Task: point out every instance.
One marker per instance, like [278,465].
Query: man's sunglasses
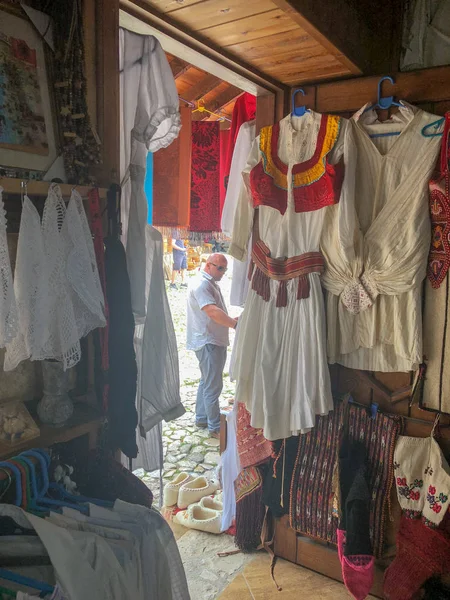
[221,269]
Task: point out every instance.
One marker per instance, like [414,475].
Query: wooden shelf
[85,421]
[11,185]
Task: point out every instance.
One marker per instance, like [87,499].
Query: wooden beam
[90,58]
[346,30]
[108,90]
[179,67]
[265,111]
[203,87]
[224,98]
[426,85]
[140,17]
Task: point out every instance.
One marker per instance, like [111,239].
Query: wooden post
[265,111]
[108,89]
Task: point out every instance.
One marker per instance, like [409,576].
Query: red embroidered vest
[316,183]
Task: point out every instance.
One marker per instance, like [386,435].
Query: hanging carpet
[172,178]
[205,189]
[224,142]
[312,489]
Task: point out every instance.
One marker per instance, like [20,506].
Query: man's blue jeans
[212,360]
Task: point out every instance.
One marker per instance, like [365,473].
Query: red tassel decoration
[303,287]
[282,294]
[261,284]
[266,287]
[256,284]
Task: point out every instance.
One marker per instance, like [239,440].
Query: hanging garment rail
[40,188]
[202,109]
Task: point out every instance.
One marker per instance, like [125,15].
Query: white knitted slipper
[211,503]
[172,489]
[203,519]
[193,491]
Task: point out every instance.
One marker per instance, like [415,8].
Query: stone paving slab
[207,573]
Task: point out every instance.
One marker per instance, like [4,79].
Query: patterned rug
[205,184]
[312,490]
[172,178]
[311,496]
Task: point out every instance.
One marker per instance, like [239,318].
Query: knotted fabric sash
[282,270]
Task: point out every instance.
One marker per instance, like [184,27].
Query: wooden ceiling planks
[179,67]
[193,85]
[260,33]
[217,12]
[222,100]
[257,26]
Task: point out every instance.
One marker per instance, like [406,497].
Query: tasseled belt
[263,268]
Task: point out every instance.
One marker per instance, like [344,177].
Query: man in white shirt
[207,334]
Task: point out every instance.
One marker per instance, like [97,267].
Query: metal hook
[23,190]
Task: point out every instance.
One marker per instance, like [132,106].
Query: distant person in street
[207,335]
[179,262]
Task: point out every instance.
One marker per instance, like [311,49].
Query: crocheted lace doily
[30,282]
[82,271]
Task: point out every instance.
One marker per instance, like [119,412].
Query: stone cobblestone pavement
[187,448]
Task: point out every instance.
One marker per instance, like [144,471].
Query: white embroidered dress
[279,358]
[57,285]
[243,146]
[376,243]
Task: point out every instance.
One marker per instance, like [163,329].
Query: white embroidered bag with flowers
[422,477]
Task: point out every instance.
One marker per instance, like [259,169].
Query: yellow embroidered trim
[313,173]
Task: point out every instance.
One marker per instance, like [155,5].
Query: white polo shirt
[202,330]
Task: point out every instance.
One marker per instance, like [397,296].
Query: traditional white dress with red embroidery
[293,177]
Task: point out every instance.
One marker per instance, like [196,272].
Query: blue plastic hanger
[27,581]
[384,103]
[71,497]
[32,471]
[34,488]
[79,498]
[436,125]
[18,480]
[42,501]
[373,407]
[298,111]
[45,455]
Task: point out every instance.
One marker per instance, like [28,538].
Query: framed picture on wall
[28,137]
